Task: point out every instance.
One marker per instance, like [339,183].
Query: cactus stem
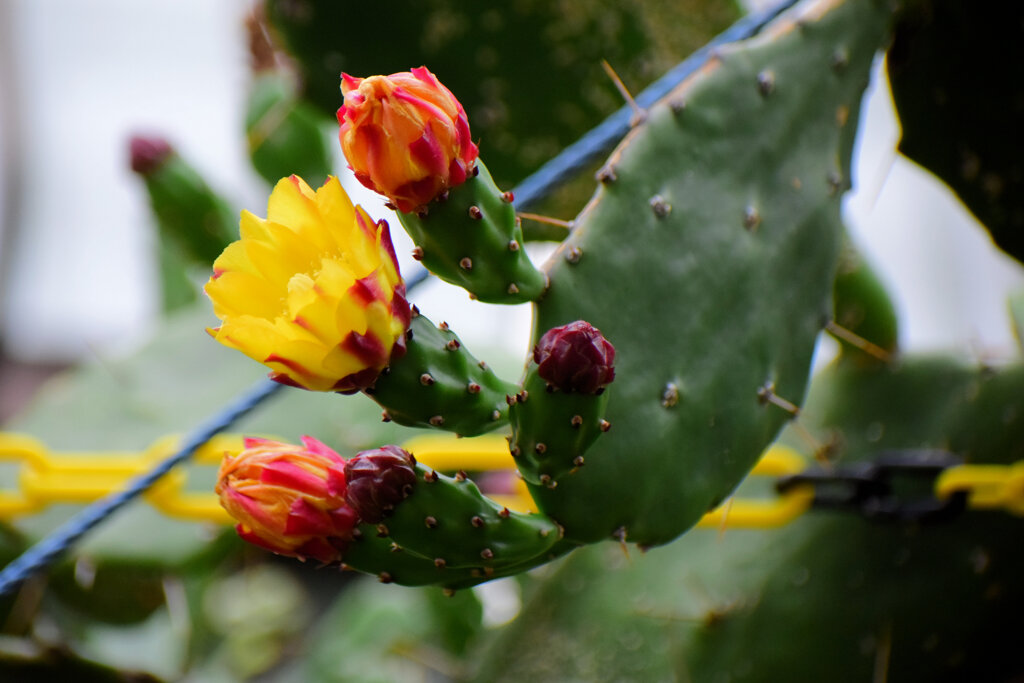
[573,255]
[487,554]
[384,577]
[477,521]
[670,396]
[576,421]
[417,253]
[766,83]
[639,114]
[547,220]
[605,425]
[541,448]
[473,388]
[430,522]
[382,531]
[440,562]
[436,420]
[751,218]
[475,213]
[453,345]
[466,263]
[461,476]
[659,206]
[854,339]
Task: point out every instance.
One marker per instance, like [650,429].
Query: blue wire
[535,187]
[46,551]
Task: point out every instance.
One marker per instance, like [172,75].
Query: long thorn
[639,115]
[548,220]
[855,340]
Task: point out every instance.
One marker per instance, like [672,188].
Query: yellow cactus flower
[405,136]
[313,291]
[289,499]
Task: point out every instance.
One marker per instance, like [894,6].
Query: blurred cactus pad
[674,327]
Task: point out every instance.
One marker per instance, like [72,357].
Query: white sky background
[82,278]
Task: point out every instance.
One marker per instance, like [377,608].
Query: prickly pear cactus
[679,314]
[706,258]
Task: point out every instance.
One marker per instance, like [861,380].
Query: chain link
[45,478]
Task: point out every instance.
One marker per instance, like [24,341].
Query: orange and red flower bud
[378,480]
[575,357]
[405,136]
[313,291]
[289,499]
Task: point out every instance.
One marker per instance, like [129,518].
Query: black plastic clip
[897,486]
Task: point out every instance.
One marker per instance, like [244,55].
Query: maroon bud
[575,357]
[148,153]
[377,480]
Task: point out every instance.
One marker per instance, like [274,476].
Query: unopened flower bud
[405,136]
[575,357]
[289,499]
[378,480]
[148,153]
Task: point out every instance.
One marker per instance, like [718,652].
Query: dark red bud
[575,357]
[148,153]
[378,480]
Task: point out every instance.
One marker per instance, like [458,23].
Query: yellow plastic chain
[45,478]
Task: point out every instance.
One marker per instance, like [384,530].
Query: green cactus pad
[447,533]
[438,384]
[473,239]
[551,430]
[448,519]
[708,255]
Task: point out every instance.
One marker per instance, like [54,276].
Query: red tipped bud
[148,153]
[575,357]
[405,136]
[289,499]
[378,480]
